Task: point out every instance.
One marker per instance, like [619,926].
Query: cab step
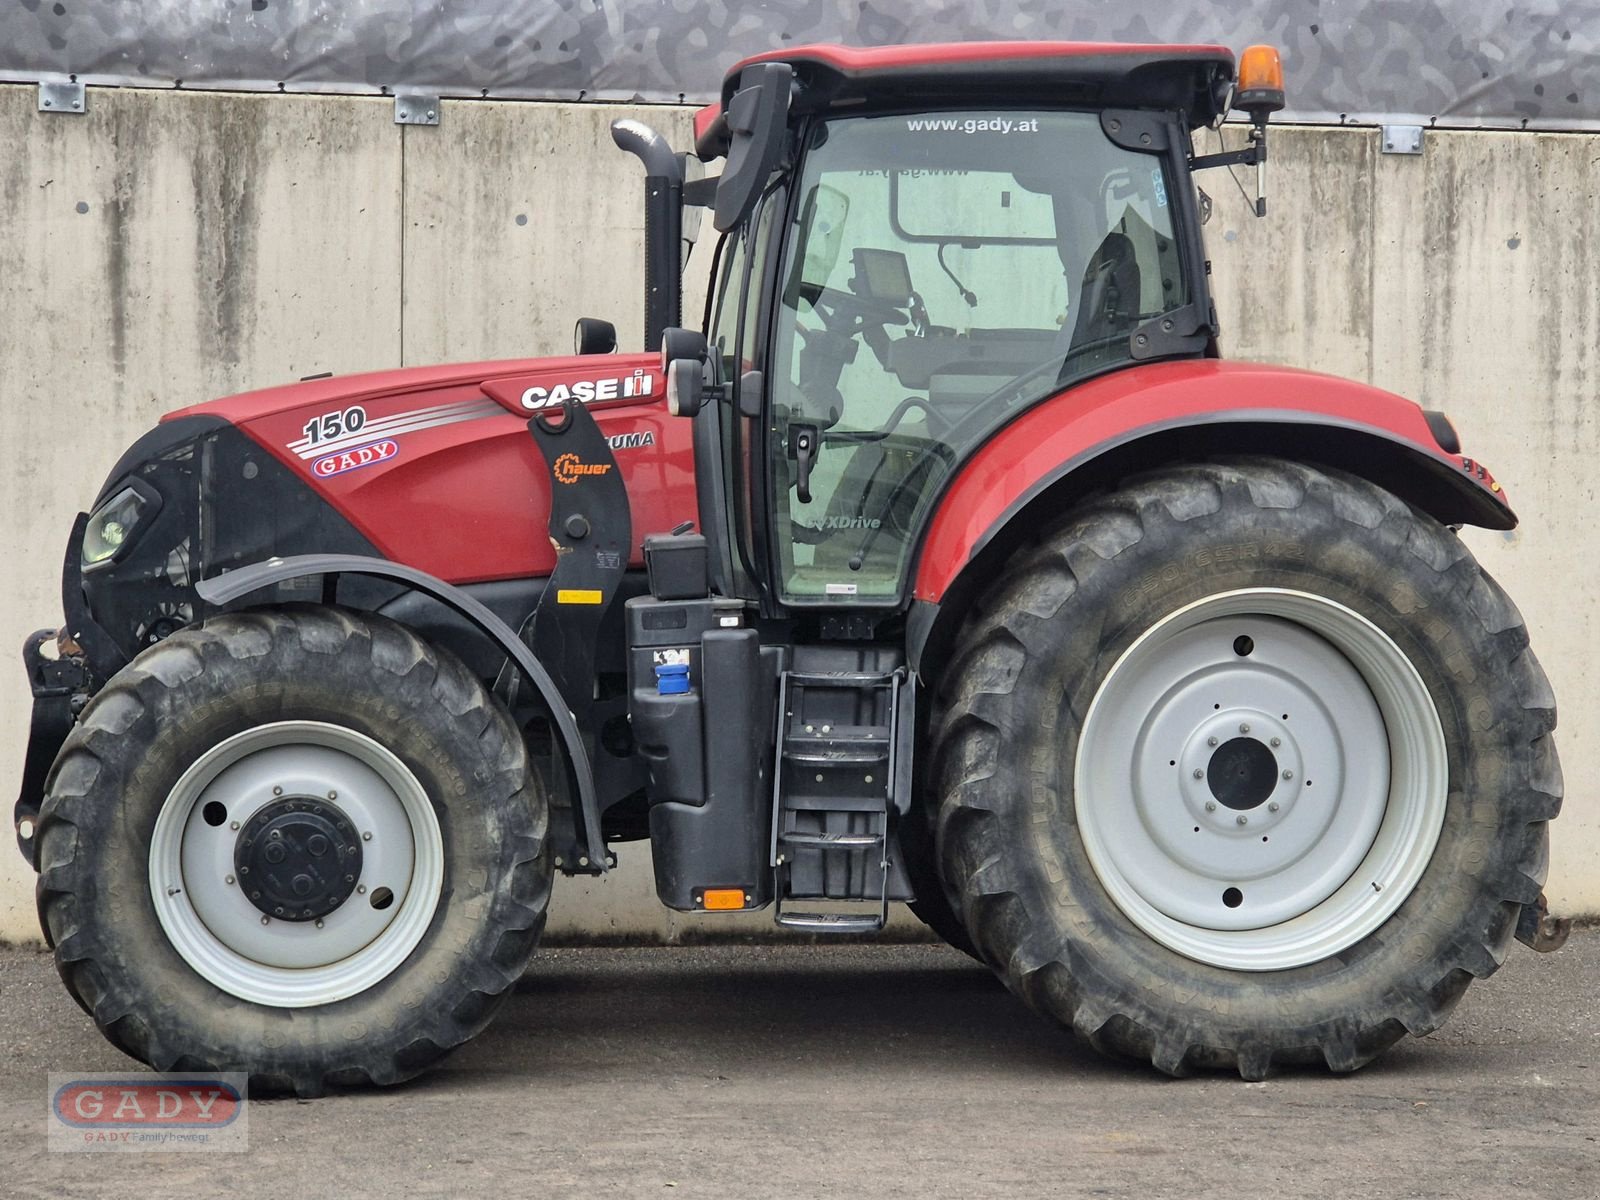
[843,760]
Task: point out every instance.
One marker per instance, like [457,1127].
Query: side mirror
[594,336]
[683,361]
[757,115]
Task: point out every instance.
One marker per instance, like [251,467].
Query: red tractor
[948,564]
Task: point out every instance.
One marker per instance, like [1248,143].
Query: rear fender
[1091,436]
[224,589]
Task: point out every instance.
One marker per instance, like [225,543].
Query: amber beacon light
[1260,82]
[1260,94]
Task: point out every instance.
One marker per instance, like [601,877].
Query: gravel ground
[734,1072]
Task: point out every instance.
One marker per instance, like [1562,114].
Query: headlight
[112,527]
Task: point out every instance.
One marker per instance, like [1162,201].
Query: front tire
[300,843]
[1247,764]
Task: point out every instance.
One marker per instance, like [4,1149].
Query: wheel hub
[298,858]
[1243,773]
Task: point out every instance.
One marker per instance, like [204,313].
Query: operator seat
[1110,293]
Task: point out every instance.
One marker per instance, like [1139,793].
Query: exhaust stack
[663,226]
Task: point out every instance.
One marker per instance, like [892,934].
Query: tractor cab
[917,247]
[917,244]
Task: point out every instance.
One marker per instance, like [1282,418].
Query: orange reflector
[578,596]
[723,899]
[1260,79]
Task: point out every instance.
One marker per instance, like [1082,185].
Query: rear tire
[312,727]
[1140,907]
[932,906]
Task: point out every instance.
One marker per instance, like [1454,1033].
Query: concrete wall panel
[520,218]
[1463,278]
[168,247]
[161,249]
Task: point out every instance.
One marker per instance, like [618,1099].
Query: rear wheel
[300,843]
[1247,764]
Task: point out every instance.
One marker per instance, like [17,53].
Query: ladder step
[837,757]
[841,679]
[831,841]
[831,922]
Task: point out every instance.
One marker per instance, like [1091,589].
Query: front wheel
[1247,764]
[298,843]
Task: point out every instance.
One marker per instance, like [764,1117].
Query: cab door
[729,444]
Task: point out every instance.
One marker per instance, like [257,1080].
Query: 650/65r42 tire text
[1246,764]
[300,843]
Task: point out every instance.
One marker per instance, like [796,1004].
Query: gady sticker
[356,458]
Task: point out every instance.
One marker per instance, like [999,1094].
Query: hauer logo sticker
[355,458]
[637,440]
[570,468]
[590,391]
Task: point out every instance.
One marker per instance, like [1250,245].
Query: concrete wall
[171,246]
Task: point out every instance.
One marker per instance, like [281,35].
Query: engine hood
[521,385]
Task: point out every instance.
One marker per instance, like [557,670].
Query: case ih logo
[113,1105]
[570,468]
[353,460]
[590,391]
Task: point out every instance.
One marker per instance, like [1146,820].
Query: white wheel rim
[1222,857]
[212,923]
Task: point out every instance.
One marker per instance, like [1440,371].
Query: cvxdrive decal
[337,431]
[570,468]
[590,391]
[355,459]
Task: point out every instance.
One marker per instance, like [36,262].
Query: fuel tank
[435,466]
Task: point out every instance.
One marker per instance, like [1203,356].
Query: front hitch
[60,686]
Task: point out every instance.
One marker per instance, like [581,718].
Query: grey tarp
[1460,62]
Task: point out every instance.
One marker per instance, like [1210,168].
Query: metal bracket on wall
[57,96]
[415,108]
[1402,139]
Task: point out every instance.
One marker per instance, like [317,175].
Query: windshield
[943,271]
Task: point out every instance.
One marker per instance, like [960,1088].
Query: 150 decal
[335,424]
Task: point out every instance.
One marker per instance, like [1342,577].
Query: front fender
[224,589]
[1090,435]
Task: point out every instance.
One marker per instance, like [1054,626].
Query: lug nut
[233,824]
[1288,774]
[1274,806]
[366,837]
[1275,743]
[1242,819]
[266,920]
[229,881]
[1243,728]
[1211,806]
[319,922]
[1211,741]
[361,889]
[1199,774]
[277,791]
[333,795]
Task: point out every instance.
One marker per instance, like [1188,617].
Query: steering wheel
[840,308]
